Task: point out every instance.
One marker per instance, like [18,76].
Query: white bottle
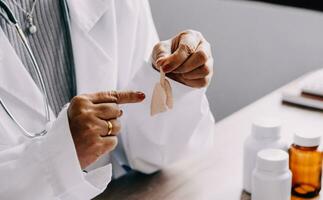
[265,134]
[272,179]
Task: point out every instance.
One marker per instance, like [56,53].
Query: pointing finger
[116,97]
[101,97]
[124,97]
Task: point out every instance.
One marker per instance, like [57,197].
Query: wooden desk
[217,175]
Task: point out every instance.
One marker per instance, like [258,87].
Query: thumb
[161,51]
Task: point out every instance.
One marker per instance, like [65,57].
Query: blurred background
[258,46]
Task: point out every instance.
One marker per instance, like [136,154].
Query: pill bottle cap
[266,128]
[272,160]
[307,140]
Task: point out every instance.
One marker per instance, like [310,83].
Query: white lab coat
[112,41]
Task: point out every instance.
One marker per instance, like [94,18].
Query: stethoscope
[11,19]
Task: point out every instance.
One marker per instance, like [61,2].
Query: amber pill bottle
[305,162]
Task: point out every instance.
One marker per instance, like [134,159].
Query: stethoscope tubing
[10,17]
[12,20]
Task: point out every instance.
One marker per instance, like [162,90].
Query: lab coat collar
[94,45]
[87,13]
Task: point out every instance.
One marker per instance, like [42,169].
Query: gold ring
[110,127]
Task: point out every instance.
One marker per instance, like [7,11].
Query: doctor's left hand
[186,58]
[89,116]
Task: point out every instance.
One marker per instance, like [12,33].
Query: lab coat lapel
[15,79]
[94,44]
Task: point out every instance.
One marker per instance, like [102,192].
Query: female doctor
[106,129]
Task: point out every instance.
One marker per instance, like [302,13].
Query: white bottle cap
[272,160]
[306,140]
[266,128]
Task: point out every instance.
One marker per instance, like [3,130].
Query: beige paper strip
[162,98]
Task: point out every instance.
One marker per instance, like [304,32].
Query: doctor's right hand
[89,117]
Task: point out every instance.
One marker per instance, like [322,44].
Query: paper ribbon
[162,99]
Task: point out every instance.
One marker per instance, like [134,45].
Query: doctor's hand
[89,117]
[186,58]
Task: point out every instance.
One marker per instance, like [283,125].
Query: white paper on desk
[295,97]
[293,94]
[314,85]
